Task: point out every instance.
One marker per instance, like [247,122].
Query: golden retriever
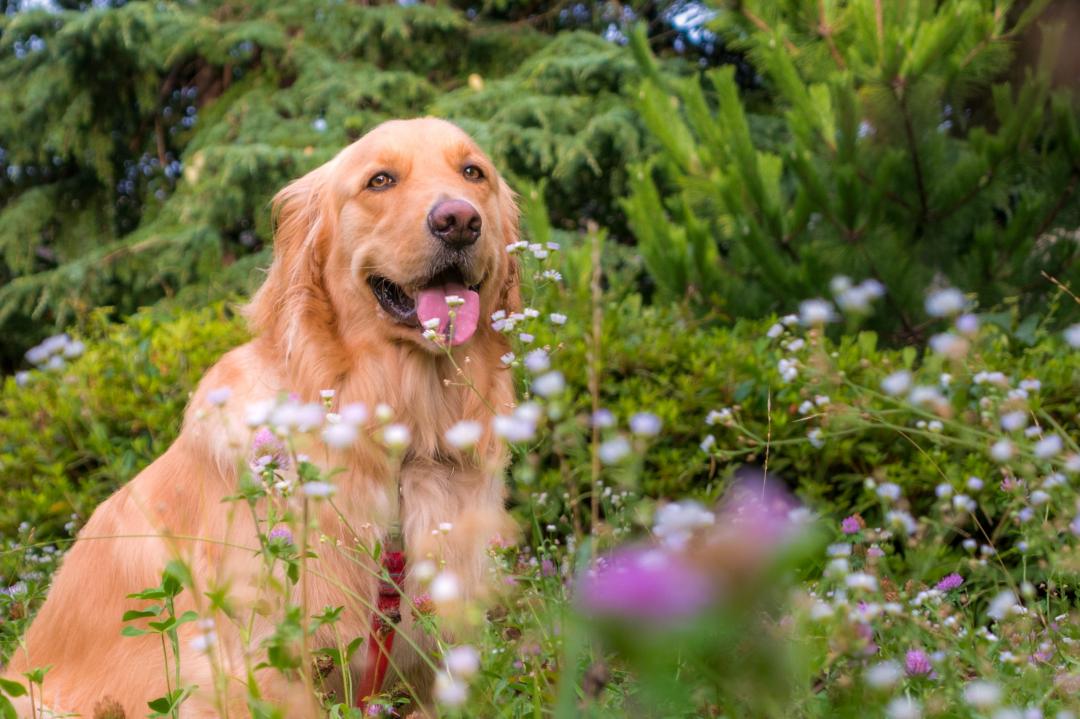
[366,248]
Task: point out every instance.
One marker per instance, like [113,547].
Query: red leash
[381,637]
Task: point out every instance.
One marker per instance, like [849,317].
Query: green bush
[891,150]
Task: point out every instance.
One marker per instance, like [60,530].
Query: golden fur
[316,325]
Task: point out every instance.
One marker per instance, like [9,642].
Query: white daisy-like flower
[340,435]
[445,587]
[550,384]
[318,490]
[464,434]
[396,436]
[946,302]
[463,661]
[896,383]
[219,396]
[816,312]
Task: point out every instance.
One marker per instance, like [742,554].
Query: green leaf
[12,688]
[141,613]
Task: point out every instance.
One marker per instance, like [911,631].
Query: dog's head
[404,229]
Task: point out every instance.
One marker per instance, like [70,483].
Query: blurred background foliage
[750,151]
[736,158]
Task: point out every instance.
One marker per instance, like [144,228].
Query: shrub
[890,153]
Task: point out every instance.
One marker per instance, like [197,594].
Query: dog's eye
[474,173]
[381,181]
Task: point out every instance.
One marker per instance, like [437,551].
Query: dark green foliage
[868,162]
[140,145]
[562,115]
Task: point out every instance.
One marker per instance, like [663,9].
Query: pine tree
[891,147]
[140,144]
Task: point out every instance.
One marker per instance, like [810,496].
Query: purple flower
[548,568]
[950,582]
[917,663]
[851,525]
[266,448]
[644,584]
[761,512]
[281,534]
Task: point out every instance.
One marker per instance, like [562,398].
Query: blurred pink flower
[949,582]
[851,525]
[917,663]
[266,448]
[761,510]
[647,584]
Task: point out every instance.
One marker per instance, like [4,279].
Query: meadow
[797,370]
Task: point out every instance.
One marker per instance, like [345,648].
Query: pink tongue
[431,303]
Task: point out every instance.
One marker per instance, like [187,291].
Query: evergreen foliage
[140,145]
[870,163]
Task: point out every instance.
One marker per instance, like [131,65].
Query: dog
[367,249]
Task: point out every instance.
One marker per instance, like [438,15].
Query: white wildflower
[396,436]
[645,424]
[613,450]
[340,436]
[884,675]
[896,383]
[676,521]
[816,312]
[463,661]
[445,587]
[1002,451]
[982,694]
[550,384]
[218,396]
[946,302]
[1048,446]
[318,490]
[464,434]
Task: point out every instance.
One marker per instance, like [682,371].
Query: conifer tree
[892,148]
[140,144]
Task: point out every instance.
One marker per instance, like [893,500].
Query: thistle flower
[949,582]
[644,585]
[917,663]
[852,525]
[266,448]
[281,534]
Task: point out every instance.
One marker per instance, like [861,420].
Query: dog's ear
[304,220]
[510,292]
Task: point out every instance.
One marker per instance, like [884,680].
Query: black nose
[455,222]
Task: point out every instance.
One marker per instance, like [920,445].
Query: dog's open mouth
[444,303]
